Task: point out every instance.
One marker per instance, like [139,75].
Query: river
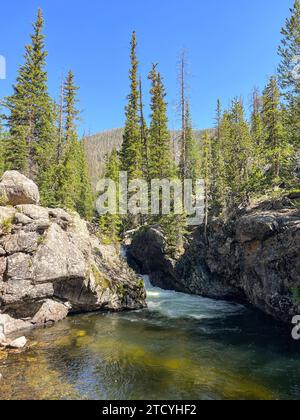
[181,347]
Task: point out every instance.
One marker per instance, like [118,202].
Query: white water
[180,305]
[173,304]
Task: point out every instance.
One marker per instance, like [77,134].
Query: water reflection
[182,347]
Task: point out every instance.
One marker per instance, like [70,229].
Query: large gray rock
[58,258]
[16,189]
[51,312]
[33,212]
[148,249]
[14,292]
[19,267]
[21,242]
[10,324]
[51,265]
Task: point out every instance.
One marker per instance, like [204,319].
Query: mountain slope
[99,145]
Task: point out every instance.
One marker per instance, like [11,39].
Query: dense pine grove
[41,138]
[242,160]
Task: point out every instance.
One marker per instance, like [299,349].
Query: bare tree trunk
[183,114]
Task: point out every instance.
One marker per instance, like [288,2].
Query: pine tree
[69,108]
[183,111]
[74,189]
[256,119]
[192,157]
[144,135]
[161,165]
[131,153]
[60,124]
[289,51]
[110,224]
[189,153]
[85,205]
[257,178]
[160,159]
[275,145]
[2,150]
[237,152]
[206,169]
[31,116]
[217,167]
[65,172]
[289,79]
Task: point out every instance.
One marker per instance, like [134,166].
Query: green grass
[7,225]
[295,290]
[121,290]
[3,199]
[99,279]
[41,239]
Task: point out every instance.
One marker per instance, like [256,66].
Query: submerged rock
[51,265]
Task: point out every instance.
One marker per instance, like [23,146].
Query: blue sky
[232,47]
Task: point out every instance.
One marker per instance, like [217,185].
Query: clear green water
[182,347]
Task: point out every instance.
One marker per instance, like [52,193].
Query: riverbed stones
[18,343]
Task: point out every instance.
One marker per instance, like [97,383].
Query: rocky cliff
[253,257]
[52,265]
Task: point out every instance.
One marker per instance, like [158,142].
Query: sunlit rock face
[16,189]
[51,265]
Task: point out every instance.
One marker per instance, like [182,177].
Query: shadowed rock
[252,257]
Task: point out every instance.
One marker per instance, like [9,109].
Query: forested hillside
[98,146]
[250,155]
[38,135]
[241,159]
